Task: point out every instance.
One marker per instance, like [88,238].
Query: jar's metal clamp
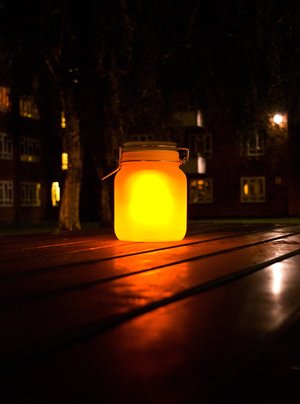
[183,160]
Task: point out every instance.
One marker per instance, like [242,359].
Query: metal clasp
[117,169]
[187,154]
[183,160]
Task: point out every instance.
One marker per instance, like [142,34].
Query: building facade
[228,175]
[245,175]
[23,192]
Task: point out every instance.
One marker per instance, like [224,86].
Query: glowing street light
[278,119]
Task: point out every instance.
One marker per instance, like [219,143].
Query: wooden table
[86,318]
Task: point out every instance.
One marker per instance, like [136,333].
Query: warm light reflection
[277,278]
[144,288]
[246,189]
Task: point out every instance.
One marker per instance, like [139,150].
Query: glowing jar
[150,193]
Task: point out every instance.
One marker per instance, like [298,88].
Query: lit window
[6,147]
[63,120]
[4,99]
[28,108]
[200,143]
[199,118]
[201,165]
[55,193]
[253,189]
[6,193]
[64,161]
[30,150]
[255,145]
[201,190]
[31,194]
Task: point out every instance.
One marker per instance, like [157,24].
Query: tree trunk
[69,208]
[106,194]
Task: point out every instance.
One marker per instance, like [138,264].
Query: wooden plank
[100,250]
[51,279]
[57,250]
[182,352]
[52,318]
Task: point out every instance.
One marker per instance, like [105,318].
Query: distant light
[278,119]
[63,120]
[55,193]
[199,118]
[201,165]
[64,161]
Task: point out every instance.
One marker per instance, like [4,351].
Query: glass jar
[150,199]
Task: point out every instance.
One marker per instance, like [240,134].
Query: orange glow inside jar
[150,193]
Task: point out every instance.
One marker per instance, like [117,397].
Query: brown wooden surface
[87,318]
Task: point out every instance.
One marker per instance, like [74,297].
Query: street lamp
[279,120]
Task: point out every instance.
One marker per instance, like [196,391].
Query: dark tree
[116,67]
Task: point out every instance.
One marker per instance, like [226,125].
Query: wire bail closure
[148,146]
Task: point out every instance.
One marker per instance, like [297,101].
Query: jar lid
[149,145]
[158,150]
